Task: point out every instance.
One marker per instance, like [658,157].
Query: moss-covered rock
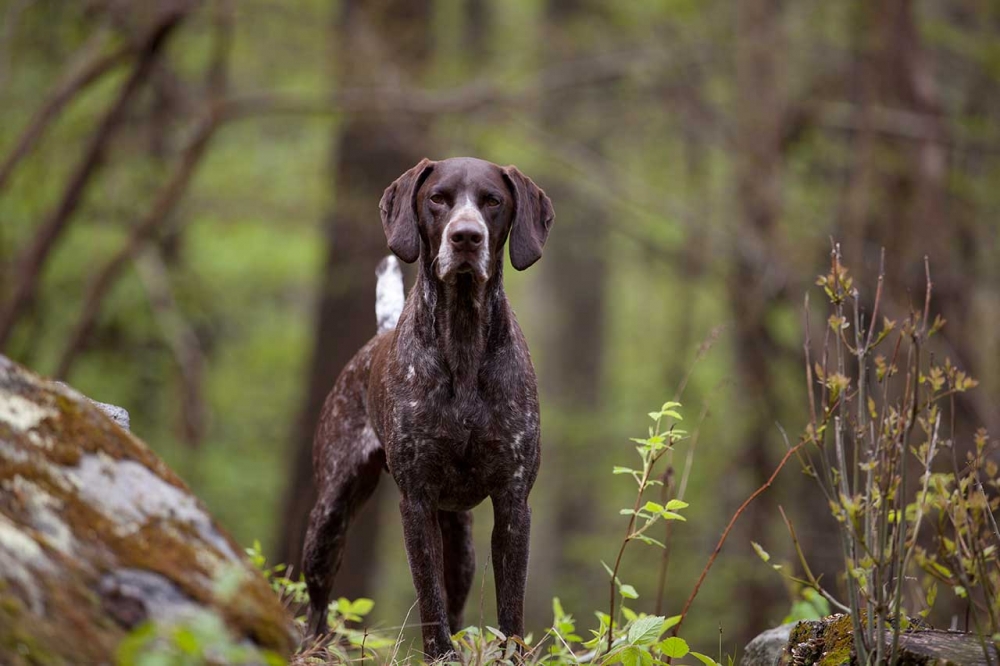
[830,642]
[97,535]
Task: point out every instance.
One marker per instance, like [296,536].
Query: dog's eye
[437,198]
[492,202]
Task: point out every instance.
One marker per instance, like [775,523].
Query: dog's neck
[461,319]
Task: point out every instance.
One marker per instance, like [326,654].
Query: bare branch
[165,202]
[182,341]
[30,263]
[729,527]
[77,78]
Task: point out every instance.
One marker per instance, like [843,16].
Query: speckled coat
[446,402]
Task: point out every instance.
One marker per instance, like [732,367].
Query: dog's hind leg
[459,562]
[355,468]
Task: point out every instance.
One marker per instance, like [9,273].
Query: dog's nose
[466,235]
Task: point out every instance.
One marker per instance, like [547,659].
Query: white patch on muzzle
[448,261]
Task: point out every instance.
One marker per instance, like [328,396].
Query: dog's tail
[389,296]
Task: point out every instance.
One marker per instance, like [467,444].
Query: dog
[444,397]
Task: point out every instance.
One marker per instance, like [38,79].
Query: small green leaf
[631,656]
[673,647]
[185,639]
[362,606]
[704,658]
[645,630]
[608,569]
[628,592]
[650,540]
[618,469]
[670,622]
[670,515]
[761,553]
[496,632]
[653,506]
[676,504]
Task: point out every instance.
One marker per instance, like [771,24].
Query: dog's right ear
[399,212]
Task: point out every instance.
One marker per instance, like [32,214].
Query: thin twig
[78,78]
[729,527]
[32,260]
[165,202]
[183,342]
[810,577]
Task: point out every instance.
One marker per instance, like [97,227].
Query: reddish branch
[28,266]
[725,533]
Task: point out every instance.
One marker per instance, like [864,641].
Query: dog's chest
[462,445]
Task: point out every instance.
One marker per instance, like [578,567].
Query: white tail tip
[389,296]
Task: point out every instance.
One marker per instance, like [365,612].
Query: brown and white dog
[446,401]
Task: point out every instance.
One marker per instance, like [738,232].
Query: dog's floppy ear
[533,217]
[399,212]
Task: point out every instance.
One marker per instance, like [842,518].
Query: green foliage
[632,638]
[810,606]
[868,428]
[201,639]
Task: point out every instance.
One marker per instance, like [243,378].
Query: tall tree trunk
[761,101]
[573,273]
[367,154]
[912,218]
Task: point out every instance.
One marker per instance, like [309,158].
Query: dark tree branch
[78,78]
[28,267]
[165,202]
[183,342]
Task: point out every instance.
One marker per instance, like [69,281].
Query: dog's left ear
[533,216]
[399,212]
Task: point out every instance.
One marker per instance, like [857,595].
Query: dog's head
[459,212]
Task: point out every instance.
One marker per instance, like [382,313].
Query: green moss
[839,642]
[75,628]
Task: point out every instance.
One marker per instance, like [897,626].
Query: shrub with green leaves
[880,410]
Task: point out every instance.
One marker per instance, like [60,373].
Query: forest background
[189,229]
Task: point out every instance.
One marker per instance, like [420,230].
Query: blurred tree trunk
[909,201]
[573,274]
[367,154]
[752,285]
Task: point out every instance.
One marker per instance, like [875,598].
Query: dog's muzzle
[464,245]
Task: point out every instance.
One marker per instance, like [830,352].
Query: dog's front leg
[422,535]
[511,528]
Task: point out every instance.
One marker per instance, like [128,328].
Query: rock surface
[828,642]
[767,648]
[118,414]
[98,535]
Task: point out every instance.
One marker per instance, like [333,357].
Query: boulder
[829,642]
[97,536]
[768,647]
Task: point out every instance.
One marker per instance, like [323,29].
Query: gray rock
[118,414]
[830,641]
[766,649]
[97,535]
